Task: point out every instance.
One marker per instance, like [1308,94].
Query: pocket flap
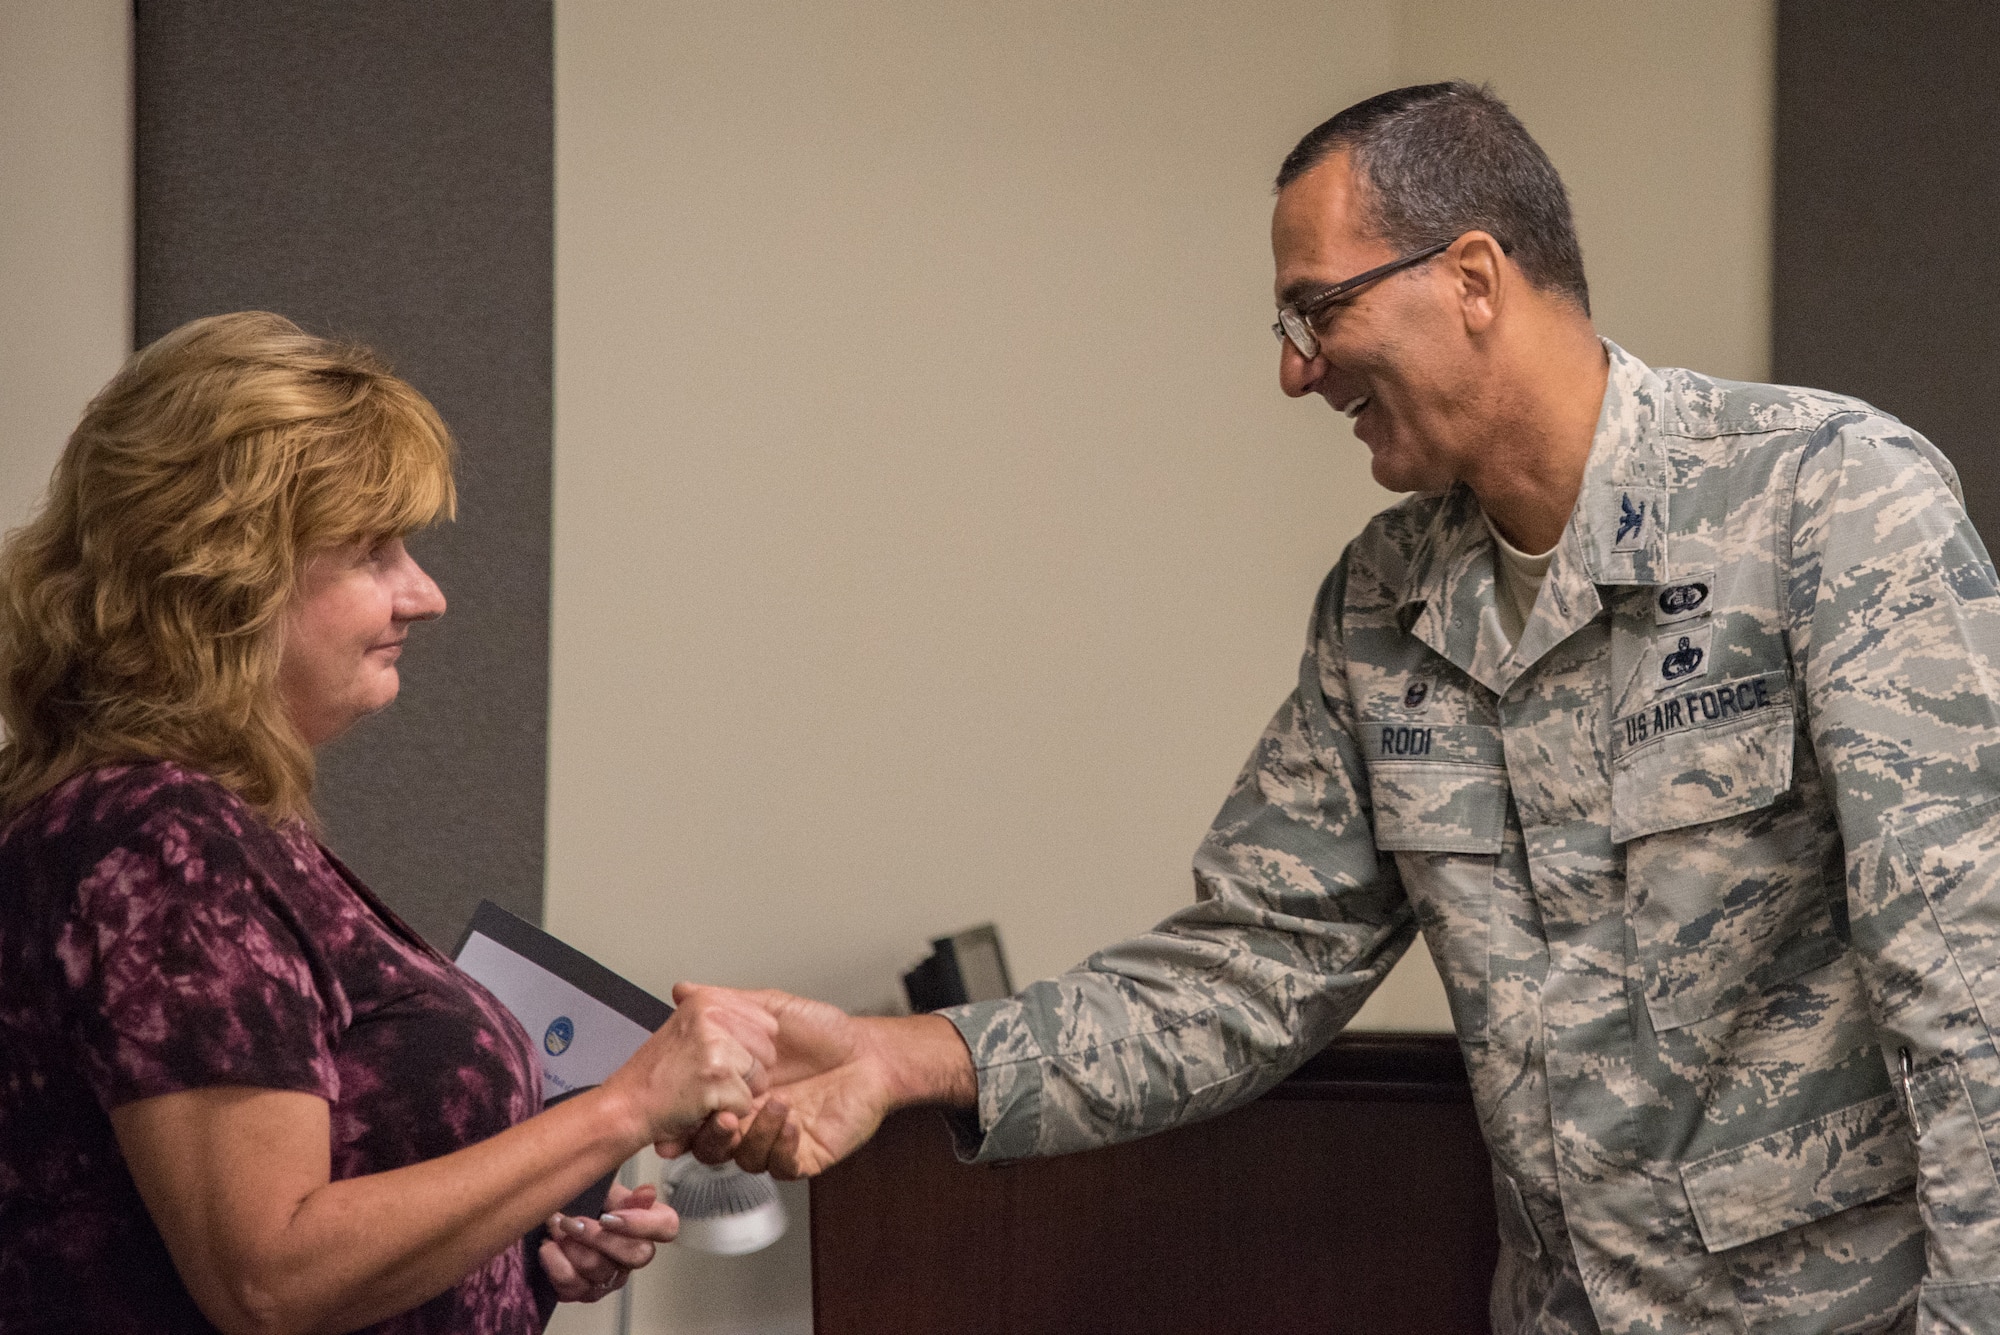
[1438,788]
[1701,774]
[1860,1153]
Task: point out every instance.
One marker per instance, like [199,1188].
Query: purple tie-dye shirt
[157,935]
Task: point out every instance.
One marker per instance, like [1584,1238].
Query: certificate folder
[583,1019]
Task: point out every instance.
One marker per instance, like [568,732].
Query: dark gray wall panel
[1886,274]
[383,169]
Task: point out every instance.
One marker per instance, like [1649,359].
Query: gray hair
[1442,159]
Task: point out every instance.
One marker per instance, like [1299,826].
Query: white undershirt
[1518,582]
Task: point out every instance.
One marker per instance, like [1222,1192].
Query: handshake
[785,1085]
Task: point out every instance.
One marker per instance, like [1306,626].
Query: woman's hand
[588,1258]
[239,1179]
[709,1059]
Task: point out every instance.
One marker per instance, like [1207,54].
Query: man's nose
[1297,375]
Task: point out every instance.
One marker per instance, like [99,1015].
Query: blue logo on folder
[557,1040]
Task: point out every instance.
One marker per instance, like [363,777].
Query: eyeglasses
[1295,320]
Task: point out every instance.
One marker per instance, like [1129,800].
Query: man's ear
[1479,268]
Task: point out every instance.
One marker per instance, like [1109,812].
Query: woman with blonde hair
[236,1091]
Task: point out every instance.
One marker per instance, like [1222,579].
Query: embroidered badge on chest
[1419,691]
[1683,657]
[1683,601]
[1633,516]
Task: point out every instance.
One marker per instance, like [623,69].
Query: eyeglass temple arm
[1341,289]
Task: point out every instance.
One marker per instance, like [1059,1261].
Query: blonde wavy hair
[142,608]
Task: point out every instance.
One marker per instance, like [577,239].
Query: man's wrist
[924,1061]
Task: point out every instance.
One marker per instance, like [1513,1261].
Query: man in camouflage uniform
[1704,844]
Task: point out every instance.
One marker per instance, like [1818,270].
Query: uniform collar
[1620,520]
[1616,535]
[1448,602]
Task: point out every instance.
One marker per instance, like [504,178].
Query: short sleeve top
[158,935]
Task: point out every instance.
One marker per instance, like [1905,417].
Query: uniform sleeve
[1297,919]
[1895,618]
[184,969]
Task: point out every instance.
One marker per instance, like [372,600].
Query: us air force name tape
[1699,707]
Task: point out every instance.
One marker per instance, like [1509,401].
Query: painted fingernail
[610,1219]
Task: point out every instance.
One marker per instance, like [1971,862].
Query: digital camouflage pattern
[1699,859]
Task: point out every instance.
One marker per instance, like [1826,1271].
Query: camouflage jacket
[1701,858]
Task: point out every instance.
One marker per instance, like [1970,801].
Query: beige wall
[65,226]
[931,540]
[926,515]
[1658,115]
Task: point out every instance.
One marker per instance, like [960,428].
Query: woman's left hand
[588,1258]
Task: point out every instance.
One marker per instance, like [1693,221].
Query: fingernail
[608,1218]
[555,1223]
[576,1226]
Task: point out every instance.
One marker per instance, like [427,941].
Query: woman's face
[345,631]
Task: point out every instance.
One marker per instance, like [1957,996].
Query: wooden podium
[1354,1197]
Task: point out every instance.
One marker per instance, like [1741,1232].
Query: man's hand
[711,1056]
[835,1078]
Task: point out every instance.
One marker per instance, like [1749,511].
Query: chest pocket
[1440,798]
[1730,877]
[1701,755]
[1437,788]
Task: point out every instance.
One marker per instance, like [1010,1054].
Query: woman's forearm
[414,1232]
[236,1180]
